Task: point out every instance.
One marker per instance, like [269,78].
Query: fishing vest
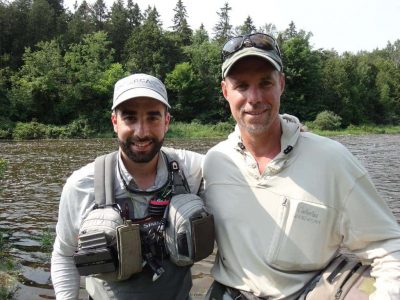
[116,249]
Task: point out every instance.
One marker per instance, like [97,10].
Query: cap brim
[136,93]
[267,55]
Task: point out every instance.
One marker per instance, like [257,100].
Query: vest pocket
[304,237]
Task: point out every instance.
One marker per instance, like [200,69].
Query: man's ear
[114,120]
[282,82]
[224,89]
[167,120]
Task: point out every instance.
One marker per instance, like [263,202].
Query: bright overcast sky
[344,25]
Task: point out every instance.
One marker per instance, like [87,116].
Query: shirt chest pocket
[305,236]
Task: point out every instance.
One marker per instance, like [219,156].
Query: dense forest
[58,67]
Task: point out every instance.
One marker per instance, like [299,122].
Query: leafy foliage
[58,68]
[327,120]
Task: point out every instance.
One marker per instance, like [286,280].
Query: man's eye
[241,86]
[266,83]
[129,118]
[154,118]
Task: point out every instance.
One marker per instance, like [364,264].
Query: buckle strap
[235,294]
[218,289]
[243,295]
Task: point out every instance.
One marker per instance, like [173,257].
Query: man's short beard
[256,128]
[140,157]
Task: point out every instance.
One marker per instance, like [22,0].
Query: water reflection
[37,170]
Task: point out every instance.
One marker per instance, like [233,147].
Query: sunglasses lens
[232,46]
[262,41]
[257,40]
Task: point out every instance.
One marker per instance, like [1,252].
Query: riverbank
[81,130]
[359,130]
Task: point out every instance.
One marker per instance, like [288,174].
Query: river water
[37,170]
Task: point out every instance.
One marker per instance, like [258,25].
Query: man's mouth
[141,145]
[255,113]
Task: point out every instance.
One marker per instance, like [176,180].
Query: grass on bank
[358,130]
[80,129]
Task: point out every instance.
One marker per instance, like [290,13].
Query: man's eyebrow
[128,112]
[154,113]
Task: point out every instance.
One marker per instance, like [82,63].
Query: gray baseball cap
[270,55]
[139,85]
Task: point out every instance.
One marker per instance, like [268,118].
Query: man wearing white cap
[285,201]
[141,175]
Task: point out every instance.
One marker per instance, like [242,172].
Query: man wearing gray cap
[142,188]
[285,201]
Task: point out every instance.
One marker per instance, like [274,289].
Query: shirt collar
[290,133]
[161,176]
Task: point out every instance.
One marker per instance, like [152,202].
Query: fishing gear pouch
[189,236]
[108,247]
[343,279]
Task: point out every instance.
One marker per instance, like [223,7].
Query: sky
[342,25]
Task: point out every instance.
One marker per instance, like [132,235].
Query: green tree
[180,25]
[149,49]
[247,27]
[367,95]
[194,87]
[42,23]
[37,86]
[152,16]
[5,114]
[14,21]
[387,62]
[100,14]
[223,29]
[200,35]
[57,6]
[80,24]
[91,76]
[302,69]
[269,28]
[332,80]
[134,15]
[119,28]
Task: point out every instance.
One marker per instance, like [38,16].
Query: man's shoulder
[322,143]
[328,150]
[182,155]
[223,146]
[82,177]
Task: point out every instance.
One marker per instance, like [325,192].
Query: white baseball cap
[139,85]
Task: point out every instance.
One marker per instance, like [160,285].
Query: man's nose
[141,128]
[253,95]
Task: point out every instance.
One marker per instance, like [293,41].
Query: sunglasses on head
[257,40]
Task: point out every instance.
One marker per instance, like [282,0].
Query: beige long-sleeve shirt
[275,230]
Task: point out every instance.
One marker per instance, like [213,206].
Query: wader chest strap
[104,178]
[104,174]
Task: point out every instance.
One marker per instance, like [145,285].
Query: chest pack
[113,246]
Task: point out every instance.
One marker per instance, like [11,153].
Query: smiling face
[253,89]
[140,125]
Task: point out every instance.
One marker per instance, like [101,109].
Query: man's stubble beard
[139,157]
[257,128]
